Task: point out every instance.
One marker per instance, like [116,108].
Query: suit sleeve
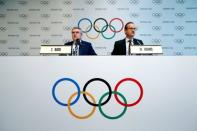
[91,50]
[114,52]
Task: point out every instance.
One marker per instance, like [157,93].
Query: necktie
[76,50]
[129,47]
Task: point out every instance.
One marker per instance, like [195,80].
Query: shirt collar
[79,43]
[126,39]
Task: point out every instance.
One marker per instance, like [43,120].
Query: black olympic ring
[97,79]
[102,30]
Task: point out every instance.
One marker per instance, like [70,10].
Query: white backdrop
[27,24]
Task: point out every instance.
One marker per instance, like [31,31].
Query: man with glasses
[122,47]
[80,47]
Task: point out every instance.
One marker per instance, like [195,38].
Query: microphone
[139,42]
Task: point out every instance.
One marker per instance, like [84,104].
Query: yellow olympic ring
[92,37]
[77,116]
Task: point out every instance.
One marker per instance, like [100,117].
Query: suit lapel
[124,47]
[135,41]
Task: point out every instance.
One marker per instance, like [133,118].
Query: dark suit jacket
[85,48]
[120,46]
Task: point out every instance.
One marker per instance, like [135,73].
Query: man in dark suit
[80,47]
[122,47]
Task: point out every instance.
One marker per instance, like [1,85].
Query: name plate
[146,49]
[55,49]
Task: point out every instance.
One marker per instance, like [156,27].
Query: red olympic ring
[140,87]
[116,31]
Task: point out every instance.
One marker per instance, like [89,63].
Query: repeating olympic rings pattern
[101,30]
[93,103]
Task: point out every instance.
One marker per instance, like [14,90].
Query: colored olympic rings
[112,117]
[113,30]
[93,101]
[92,37]
[112,35]
[139,85]
[65,79]
[97,79]
[87,30]
[77,116]
[101,28]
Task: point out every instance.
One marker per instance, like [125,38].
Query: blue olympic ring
[72,81]
[88,21]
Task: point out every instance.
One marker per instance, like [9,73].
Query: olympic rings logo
[100,103]
[101,30]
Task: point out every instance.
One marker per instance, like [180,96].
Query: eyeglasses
[77,32]
[132,28]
